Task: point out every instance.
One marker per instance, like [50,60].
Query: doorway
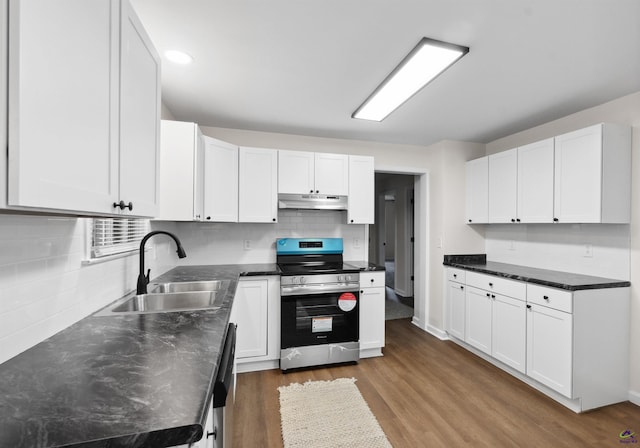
[392,241]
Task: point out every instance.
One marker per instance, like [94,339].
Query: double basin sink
[171,297]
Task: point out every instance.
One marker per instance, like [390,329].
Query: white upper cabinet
[221,181]
[139,116]
[361,207]
[258,185]
[83,108]
[593,175]
[296,172]
[503,183]
[331,174]
[307,172]
[535,182]
[181,172]
[477,191]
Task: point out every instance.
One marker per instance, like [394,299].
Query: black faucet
[143,280]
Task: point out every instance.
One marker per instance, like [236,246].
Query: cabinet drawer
[456,275]
[557,299]
[506,287]
[371,279]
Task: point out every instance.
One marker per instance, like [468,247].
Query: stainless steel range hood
[312,201]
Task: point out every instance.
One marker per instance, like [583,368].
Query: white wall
[564,243]
[44,285]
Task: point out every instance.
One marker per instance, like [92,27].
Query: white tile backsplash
[223,243]
[44,287]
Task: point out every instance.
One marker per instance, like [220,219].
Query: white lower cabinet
[571,345]
[456,309]
[478,319]
[549,347]
[256,311]
[509,331]
[371,313]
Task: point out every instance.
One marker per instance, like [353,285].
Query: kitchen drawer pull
[491,285]
[455,275]
[461,287]
[122,205]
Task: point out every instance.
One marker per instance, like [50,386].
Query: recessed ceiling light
[423,64]
[178,57]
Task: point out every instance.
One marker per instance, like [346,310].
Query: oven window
[318,319]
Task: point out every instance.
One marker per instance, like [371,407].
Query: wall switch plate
[588,251]
[356,243]
[439,242]
[512,245]
[247,244]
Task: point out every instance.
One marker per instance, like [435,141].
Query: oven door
[319,318]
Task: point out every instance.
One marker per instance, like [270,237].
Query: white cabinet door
[549,348]
[221,181]
[296,172]
[578,175]
[63,111]
[4,24]
[258,187]
[503,183]
[180,170]
[139,117]
[361,208]
[198,169]
[478,319]
[535,182]
[456,309]
[331,174]
[371,318]
[250,312]
[477,191]
[508,334]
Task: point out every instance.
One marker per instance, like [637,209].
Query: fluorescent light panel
[423,64]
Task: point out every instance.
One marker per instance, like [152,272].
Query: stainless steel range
[319,303]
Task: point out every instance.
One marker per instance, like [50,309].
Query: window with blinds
[111,236]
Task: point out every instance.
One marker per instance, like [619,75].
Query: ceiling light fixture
[421,66]
[178,57]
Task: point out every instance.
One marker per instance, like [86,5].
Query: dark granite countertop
[554,279]
[121,381]
[365,265]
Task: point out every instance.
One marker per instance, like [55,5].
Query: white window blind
[111,236]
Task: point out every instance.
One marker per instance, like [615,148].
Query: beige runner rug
[323,414]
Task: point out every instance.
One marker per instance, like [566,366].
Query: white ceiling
[304,66]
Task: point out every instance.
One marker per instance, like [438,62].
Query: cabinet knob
[493,296]
[528,307]
[371,280]
[208,218]
[469,220]
[461,287]
[545,297]
[122,205]
[455,275]
[317,191]
[491,285]
[555,220]
[310,191]
[517,219]
[214,433]
[513,220]
[488,295]
[273,219]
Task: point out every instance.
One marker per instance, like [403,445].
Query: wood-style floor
[429,393]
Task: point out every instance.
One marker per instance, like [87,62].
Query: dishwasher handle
[224,378]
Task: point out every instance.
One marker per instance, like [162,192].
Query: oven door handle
[303,290]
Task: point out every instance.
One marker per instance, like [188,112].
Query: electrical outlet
[588,251]
[439,242]
[512,245]
[247,245]
[356,243]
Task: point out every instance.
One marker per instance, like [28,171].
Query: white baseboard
[243,367]
[634,397]
[440,334]
[418,323]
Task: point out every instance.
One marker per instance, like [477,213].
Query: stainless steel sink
[212,285]
[171,297]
